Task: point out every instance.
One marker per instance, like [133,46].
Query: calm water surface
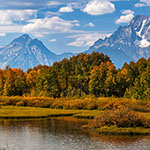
[62,134]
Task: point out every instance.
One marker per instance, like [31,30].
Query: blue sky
[66,25]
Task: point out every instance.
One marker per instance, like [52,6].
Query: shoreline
[113,130]
[13,112]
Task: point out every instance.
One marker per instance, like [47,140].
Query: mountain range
[127,43]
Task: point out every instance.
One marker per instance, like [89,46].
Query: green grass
[89,114]
[10,112]
[113,130]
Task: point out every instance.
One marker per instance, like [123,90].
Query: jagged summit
[26,36]
[137,20]
[22,39]
[127,43]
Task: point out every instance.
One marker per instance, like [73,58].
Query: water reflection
[62,134]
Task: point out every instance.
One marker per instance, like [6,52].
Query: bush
[120,117]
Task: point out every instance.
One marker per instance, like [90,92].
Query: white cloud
[143,3]
[8,17]
[36,4]
[54,3]
[50,25]
[125,12]
[86,39]
[66,9]
[2,34]
[140,5]
[11,29]
[76,5]
[99,7]
[125,19]
[50,13]
[90,24]
[10,20]
[53,40]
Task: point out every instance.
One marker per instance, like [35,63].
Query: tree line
[85,74]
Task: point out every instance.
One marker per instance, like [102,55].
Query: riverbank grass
[10,112]
[88,114]
[114,130]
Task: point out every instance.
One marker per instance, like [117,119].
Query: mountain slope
[25,53]
[127,43]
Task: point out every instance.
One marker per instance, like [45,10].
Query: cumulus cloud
[90,24]
[83,40]
[126,17]
[125,12]
[76,5]
[54,3]
[143,3]
[12,20]
[50,13]
[140,5]
[11,29]
[66,9]
[99,7]
[2,34]
[50,25]
[8,17]
[53,40]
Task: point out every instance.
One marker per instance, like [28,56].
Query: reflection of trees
[117,139]
[44,129]
[54,125]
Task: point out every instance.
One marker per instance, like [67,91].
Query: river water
[62,134]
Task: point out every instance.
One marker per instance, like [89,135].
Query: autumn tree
[15,83]
[102,79]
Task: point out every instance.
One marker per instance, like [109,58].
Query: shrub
[117,103]
[120,117]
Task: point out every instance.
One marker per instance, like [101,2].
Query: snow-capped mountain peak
[129,42]
[25,52]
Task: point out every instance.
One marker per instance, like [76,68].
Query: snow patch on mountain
[143,43]
[141,29]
